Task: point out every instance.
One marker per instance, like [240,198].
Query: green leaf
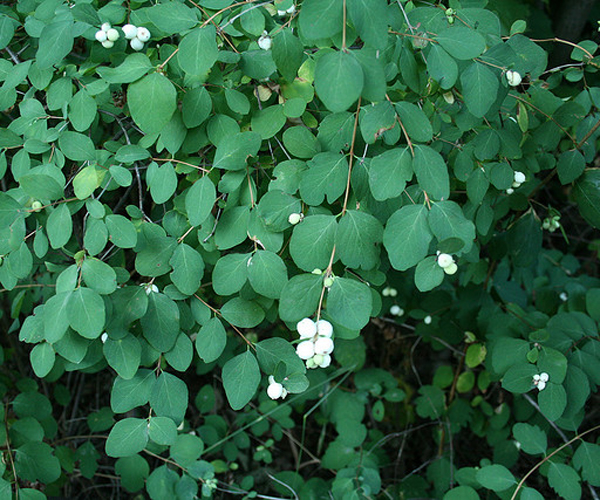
[76,146]
[268,121]
[480,88]
[442,67]
[407,236]
[55,318]
[525,240]
[160,324]
[237,102]
[564,480]
[198,50]
[287,53]
[321,19]
[128,437]
[211,340]
[532,439]
[180,357]
[121,231]
[415,121]
[82,110]
[312,242]
[34,461]
[357,240]
[152,101]
[552,401]
[570,166]
[131,69]
[59,226]
[241,377]
[195,107]
[42,358]
[162,181]
[230,273]
[339,80]
[186,449]
[162,430]
[275,207]
[586,193]
[587,458]
[173,17]
[232,228]
[99,276]
[300,297]
[461,42]
[446,220]
[87,181]
[327,175]
[123,355]
[128,394]
[349,303]
[169,397]
[519,378]
[461,493]
[188,269]
[432,172]
[153,259]
[300,142]
[389,172]
[39,185]
[495,477]
[267,273]
[428,274]
[242,313]
[370,20]
[554,363]
[55,42]
[233,153]
[86,312]
[199,200]
[276,350]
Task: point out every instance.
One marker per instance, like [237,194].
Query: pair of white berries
[396,310]
[275,390]
[518,179]
[149,288]
[388,291]
[513,78]
[539,380]
[108,35]
[291,10]
[317,346]
[446,262]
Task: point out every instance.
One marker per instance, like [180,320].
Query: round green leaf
[128,437]
[241,376]
[339,80]
[152,101]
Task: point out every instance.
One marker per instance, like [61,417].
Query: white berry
[427,320]
[563,296]
[544,377]
[513,78]
[107,44]
[136,44]
[265,42]
[101,36]
[306,328]
[396,310]
[112,34]
[326,361]
[306,349]
[293,219]
[541,385]
[444,260]
[324,328]
[143,35]
[323,345]
[104,337]
[292,9]
[510,191]
[275,390]
[130,31]
[105,27]
[451,269]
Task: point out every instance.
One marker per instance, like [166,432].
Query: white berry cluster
[446,262]
[149,288]
[291,10]
[275,389]
[518,179]
[316,344]
[265,42]
[551,223]
[396,310]
[539,380]
[107,35]
[513,78]
[388,291]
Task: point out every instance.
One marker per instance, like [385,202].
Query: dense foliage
[319,249]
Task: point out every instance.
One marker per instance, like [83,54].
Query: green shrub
[296,250]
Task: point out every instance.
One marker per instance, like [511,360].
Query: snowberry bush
[296,249]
